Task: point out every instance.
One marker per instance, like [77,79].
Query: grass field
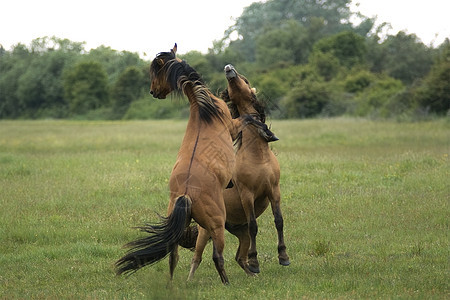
[366,209]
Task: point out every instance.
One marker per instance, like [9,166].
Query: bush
[434,93]
[307,100]
[378,99]
[358,82]
[86,87]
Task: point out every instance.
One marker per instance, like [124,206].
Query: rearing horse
[256,176]
[202,171]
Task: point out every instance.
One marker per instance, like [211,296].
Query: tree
[253,21]
[113,61]
[48,44]
[282,45]
[12,66]
[86,87]
[128,88]
[348,47]
[309,97]
[434,92]
[404,57]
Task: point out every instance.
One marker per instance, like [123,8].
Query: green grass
[365,206]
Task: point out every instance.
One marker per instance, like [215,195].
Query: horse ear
[174,50]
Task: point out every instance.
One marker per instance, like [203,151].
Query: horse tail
[164,237]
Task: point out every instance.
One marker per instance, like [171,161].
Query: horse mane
[257,105]
[179,75]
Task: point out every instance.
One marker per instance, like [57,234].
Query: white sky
[428,19]
[152,26]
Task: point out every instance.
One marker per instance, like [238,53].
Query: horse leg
[202,240]
[241,232]
[218,237]
[252,253]
[242,253]
[275,200]
[248,205]
[173,260]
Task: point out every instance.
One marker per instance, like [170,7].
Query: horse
[256,176]
[203,169]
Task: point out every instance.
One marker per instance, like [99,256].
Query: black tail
[163,238]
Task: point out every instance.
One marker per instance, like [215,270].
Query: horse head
[161,85]
[241,95]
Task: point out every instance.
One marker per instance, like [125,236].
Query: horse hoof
[254,269]
[285,262]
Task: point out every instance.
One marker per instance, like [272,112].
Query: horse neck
[190,91]
[253,143]
[247,109]
[201,99]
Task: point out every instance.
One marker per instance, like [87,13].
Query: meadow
[365,204]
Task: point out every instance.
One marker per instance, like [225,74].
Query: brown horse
[256,176]
[202,171]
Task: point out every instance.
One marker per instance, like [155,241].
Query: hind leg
[202,240]
[247,200]
[218,236]
[275,200]
[253,262]
[241,232]
[242,253]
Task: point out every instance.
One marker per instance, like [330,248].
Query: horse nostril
[151,92]
[228,68]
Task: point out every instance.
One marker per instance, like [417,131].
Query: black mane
[180,74]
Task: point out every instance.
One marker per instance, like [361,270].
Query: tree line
[306,58]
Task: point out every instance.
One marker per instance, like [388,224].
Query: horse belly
[235,211]
[261,205]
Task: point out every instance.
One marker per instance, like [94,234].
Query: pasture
[365,203]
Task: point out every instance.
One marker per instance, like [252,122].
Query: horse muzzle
[230,72]
[157,95]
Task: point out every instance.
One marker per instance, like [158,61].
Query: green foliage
[434,92]
[113,61]
[404,57]
[307,99]
[306,58]
[253,21]
[33,79]
[325,64]
[358,82]
[12,66]
[282,45]
[378,99]
[127,89]
[86,87]
[348,47]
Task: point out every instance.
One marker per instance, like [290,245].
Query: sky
[148,26]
